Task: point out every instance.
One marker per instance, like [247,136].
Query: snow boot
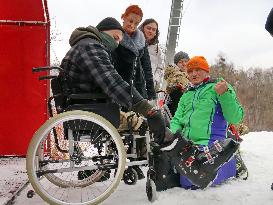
[241,169]
[200,165]
[163,173]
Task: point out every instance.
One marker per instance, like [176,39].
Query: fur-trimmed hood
[134,43]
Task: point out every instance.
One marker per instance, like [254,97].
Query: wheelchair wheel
[93,145]
[130,176]
[151,190]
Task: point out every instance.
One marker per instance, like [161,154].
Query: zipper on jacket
[210,122]
[192,104]
[215,103]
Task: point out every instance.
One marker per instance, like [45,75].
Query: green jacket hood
[84,32]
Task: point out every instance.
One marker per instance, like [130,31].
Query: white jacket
[157,65]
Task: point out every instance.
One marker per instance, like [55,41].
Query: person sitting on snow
[90,69]
[204,113]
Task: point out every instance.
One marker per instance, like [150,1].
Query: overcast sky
[209,27]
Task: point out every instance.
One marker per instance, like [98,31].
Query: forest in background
[254,88]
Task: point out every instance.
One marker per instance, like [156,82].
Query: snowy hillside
[257,151]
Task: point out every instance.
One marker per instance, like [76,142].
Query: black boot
[200,166]
[241,169]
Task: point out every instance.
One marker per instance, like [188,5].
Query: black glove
[155,120]
[142,107]
[157,125]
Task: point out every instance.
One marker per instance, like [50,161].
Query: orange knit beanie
[198,62]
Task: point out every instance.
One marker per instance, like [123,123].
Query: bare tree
[254,88]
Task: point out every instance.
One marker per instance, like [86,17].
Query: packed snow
[12,177]
[257,152]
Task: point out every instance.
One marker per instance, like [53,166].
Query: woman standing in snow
[151,32]
[133,60]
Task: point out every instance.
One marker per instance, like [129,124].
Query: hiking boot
[241,169]
[200,165]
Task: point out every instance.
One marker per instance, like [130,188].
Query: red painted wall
[24,34]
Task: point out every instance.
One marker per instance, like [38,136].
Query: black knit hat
[109,23]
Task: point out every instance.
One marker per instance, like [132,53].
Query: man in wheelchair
[89,69]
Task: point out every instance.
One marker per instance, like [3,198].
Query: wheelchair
[81,135]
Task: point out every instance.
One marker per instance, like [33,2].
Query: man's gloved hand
[157,125]
[142,107]
[155,119]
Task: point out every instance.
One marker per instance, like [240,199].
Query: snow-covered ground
[12,177]
[257,152]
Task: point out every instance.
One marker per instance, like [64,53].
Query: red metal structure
[24,34]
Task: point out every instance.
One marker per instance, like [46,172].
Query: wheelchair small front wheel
[94,147]
[151,190]
[130,176]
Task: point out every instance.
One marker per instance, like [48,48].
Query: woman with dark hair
[151,32]
[132,56]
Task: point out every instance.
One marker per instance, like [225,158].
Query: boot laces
[218,146]
[208,155]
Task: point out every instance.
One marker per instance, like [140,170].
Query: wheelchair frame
[41,166]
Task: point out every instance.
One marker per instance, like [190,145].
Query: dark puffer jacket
[132,62]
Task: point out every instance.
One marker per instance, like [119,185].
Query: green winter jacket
[203,116]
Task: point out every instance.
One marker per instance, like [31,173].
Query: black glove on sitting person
[155,119]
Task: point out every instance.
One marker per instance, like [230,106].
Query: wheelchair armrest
[46,68]
[87,96]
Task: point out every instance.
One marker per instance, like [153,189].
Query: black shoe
[241,169]
[201,166]
[139,172]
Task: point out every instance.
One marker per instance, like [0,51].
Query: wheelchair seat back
[59,94]
[110,111]
[97,103]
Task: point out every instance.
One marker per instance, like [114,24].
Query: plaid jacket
[90,69]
